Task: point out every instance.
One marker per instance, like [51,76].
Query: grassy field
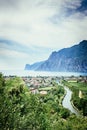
[47,88]
[78,85]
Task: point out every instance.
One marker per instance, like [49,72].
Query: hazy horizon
[30,30]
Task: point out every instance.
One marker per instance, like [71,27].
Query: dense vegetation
[79,101]
[22,110]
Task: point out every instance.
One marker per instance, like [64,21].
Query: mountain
[73,59]
[33,66]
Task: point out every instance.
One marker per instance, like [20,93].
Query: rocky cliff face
[73,59]
[33,66]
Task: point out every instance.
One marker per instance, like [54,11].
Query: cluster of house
[34,83]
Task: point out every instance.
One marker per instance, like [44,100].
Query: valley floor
[35,103]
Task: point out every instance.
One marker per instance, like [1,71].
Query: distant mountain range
[73,59]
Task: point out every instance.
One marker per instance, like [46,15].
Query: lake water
[39,73]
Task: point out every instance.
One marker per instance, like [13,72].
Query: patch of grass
[47,88]
[72,81]
[80,85]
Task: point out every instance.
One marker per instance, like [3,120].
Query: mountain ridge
[72,59]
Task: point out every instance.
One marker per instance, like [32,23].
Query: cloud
[38,27]
[15,55]
[72,4]
[12,59]
[12,54]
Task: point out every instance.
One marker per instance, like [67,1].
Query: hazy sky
[31,29]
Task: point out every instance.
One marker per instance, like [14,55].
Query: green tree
[65,113]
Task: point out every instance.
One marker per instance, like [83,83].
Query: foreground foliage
[22,110]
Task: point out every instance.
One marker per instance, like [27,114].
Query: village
[39,84]
[42,84]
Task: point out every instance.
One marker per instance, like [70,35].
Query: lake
[39,73]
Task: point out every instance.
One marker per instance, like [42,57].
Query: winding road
[67,100]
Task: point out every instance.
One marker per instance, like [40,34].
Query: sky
[31,29]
